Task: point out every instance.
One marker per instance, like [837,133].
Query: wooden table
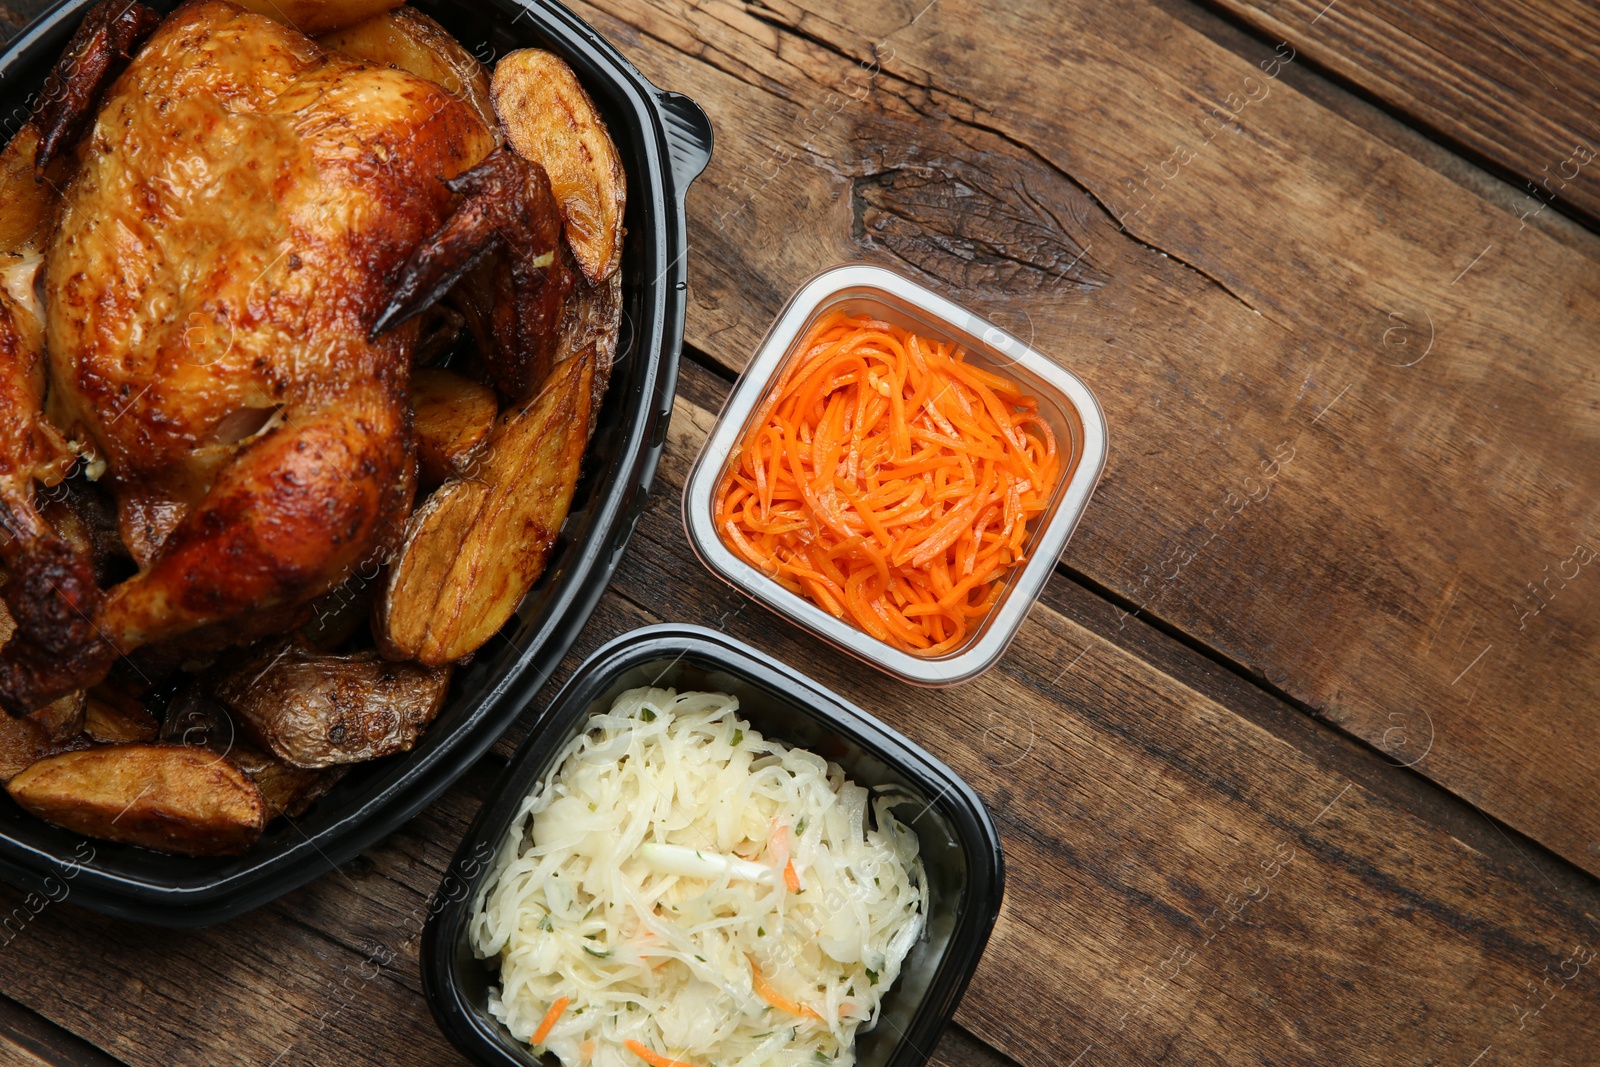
[1294,767]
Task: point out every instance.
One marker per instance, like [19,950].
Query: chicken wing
[240,204]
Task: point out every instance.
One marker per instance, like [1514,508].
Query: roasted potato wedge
[171,798]
[24,742]
[549,119]
[593,320]
[287,789]
[62,718]
[316,17]
[452,416]
[315,710]
[114,717]
[53,729]
[410,40]
[196,719]
[476,547]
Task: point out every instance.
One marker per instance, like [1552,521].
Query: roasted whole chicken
[218,240]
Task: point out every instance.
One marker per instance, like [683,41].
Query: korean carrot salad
[890,481]
[681,890]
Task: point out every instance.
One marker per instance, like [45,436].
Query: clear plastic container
[1064,402]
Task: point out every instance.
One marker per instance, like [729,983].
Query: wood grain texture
[15,14]
[1135,811]
[1511,81]
[1235,285]
[29,1040]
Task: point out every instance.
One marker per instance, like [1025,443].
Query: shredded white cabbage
[645,881]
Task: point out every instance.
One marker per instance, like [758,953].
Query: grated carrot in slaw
[549,1021]
[654,1059]
[889,481]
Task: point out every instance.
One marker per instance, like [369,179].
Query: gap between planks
[1467,167]
[1246,693]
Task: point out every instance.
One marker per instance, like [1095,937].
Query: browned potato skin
[592,320]
[452,416]
[410,40]
[287,789]
[23,742]
[171,798]
[62,718]
[197,720]
[315,710]
[113,717]
[476,547]
[549,119]
[313,17]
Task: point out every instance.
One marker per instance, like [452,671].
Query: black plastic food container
[960,848]
[664,140]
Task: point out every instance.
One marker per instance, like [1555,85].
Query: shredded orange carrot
[890,482]
[654,1059]
[791,877]
[765,991]
[550,1018]
[586,1050]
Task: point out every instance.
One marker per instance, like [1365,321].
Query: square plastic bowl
[959,845]
[1065,403]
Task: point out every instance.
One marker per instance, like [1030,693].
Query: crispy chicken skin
[240,207]
[49,592]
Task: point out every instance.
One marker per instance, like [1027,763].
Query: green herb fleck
[597,953]
[800,827]
[872,976]
[761,931]
[545,923]
[647,715]
[738,737]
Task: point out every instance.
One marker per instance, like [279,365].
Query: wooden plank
[15,14]
[1131,805]
[12,19]
[27,1039]
[1292,287]
[1062,748]
[1512,82]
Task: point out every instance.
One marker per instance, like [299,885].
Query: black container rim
[976,912]
[676,139]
